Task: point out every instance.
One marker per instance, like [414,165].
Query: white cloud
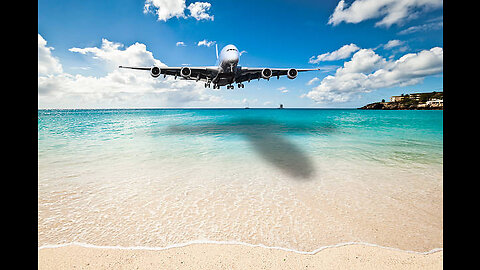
[342,53]
[367,71]
[312,81]
[47,64]
[246,101]
[393,43]
[119,88]
[422,28]
[198,10]
[111,53]
[205,43]
[282,89]
[391,11]
[180,43]
[167,9]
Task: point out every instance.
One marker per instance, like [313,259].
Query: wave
[86,245]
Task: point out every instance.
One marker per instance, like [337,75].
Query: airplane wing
[247,74]
[193,73]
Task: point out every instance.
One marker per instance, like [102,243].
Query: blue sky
[301,34]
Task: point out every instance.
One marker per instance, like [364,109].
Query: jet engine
[292,73]
[185,72]
[155,72]
[266,73]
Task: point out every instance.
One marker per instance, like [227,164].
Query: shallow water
[297,179]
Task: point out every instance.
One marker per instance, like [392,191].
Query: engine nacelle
[186,72]
[155,72]
[266,73]
[292,73]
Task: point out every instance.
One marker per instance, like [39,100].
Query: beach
[239,189]
[231,256]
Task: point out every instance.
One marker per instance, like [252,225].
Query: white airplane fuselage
[228,58]
[227,65]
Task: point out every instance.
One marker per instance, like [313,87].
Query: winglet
[216,50]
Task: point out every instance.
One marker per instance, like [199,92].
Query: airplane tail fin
[216,50]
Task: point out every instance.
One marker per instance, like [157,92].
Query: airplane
[227,72]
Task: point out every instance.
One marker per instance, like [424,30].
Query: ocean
[298,179]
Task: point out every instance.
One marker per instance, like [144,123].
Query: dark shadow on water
[268,140]
[282,153]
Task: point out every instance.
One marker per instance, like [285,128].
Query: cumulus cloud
[205,43]
[167,9]
[198,10]
[342,53]
[119,87]
[47,64]
[180,43]
[112,54]
[391,11]
[367,71]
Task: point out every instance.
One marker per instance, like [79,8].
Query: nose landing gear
[240,85]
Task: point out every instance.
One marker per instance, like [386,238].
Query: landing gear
[240,85]
[230,86]
[208,85]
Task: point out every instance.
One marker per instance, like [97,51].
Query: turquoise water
[390,137]
[292,178]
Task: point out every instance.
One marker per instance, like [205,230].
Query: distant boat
[247,108]
[281,106]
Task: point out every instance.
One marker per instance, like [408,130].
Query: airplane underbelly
[224,81]
[225,78]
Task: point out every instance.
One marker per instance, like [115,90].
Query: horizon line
[203,108]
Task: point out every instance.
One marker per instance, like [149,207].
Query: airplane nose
[232,58]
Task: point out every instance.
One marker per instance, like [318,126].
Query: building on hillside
[435,102]
[414,96]
[422,97]
[396,98]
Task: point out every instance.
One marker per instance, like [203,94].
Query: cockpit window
[231,49]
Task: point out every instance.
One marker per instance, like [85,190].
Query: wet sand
[234,256]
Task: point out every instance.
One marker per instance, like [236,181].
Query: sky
[367,50]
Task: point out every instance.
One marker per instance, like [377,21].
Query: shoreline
[211,242]
[232,255]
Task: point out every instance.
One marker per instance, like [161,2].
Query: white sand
[225,256]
